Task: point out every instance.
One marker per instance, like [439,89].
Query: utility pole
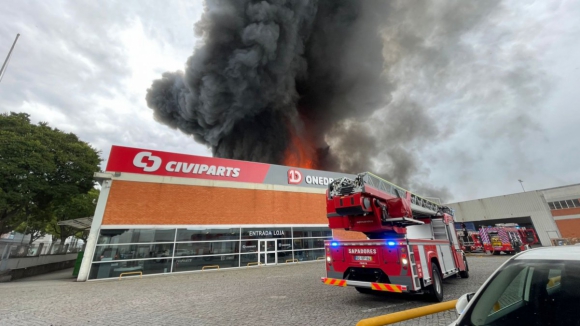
[522,184]
[8,58]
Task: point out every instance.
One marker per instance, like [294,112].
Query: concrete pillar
[94,232]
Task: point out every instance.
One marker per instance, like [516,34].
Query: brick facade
[569,228]
[565,211]
[147,203]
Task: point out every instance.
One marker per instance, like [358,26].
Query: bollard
[407,314]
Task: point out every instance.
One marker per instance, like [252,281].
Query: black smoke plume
[265,69]
[342,75]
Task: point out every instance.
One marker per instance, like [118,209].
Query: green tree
[78,206]
[34,223]
[40,168]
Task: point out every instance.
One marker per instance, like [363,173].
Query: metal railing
[408,314]
[37,249]
[347,185]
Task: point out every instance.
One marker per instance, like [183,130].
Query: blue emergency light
[334,244]
[391,243]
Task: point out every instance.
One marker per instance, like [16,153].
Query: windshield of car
[529,293]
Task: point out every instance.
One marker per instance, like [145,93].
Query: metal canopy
[83,223]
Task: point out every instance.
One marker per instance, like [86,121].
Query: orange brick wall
[565,211]
[166,204]
[569,228]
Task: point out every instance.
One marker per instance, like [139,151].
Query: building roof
[83,223]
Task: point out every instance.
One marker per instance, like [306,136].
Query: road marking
[385,307]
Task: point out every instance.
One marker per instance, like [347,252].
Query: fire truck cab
[411,242]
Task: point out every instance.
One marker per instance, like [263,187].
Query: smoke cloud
[358,83]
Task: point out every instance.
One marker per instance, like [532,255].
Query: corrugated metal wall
[562,193]
[524,204]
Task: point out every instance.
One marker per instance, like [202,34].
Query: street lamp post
[4,65]
[522,184]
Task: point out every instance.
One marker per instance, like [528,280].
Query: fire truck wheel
[435,290]
[465,273]
[363,290]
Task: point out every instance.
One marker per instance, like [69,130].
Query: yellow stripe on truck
[333,281]
[387,287]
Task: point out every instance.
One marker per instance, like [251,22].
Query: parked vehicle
[501,238]
[412,245]
[536,287]
[470,241]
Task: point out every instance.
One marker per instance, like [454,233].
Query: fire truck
[411,243]
[502,238]
[470,241]
[528,236]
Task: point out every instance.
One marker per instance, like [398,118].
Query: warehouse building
[554,213]
[162,212]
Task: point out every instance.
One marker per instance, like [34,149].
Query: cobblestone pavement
[277,295]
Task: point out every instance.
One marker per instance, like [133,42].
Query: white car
[536,287]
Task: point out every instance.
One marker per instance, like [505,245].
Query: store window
[247,260]
[115,236]
[135,251]
[136,236]
[186,264]
[151,251]
[114,269]
[307,255]
[249,246]
[309,243]
[167,235]
[204,234]
[309,232]
[206,248]
[284,244]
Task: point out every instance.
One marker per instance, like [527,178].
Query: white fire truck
[411,242]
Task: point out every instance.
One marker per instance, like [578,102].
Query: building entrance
[267,252]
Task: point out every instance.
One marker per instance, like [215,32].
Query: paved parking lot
[277,295]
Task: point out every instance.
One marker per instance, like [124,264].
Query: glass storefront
[157,251]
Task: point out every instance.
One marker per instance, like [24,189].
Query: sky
[85,66]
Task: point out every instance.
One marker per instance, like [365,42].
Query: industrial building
[554,213]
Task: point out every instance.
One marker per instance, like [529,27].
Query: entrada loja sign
[151,162]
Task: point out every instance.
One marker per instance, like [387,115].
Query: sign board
[152,162]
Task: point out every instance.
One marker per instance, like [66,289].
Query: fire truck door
[453,235]
[446,258]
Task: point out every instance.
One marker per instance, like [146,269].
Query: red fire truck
[528,236]
[501,238]
[411,242]
[470,241]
